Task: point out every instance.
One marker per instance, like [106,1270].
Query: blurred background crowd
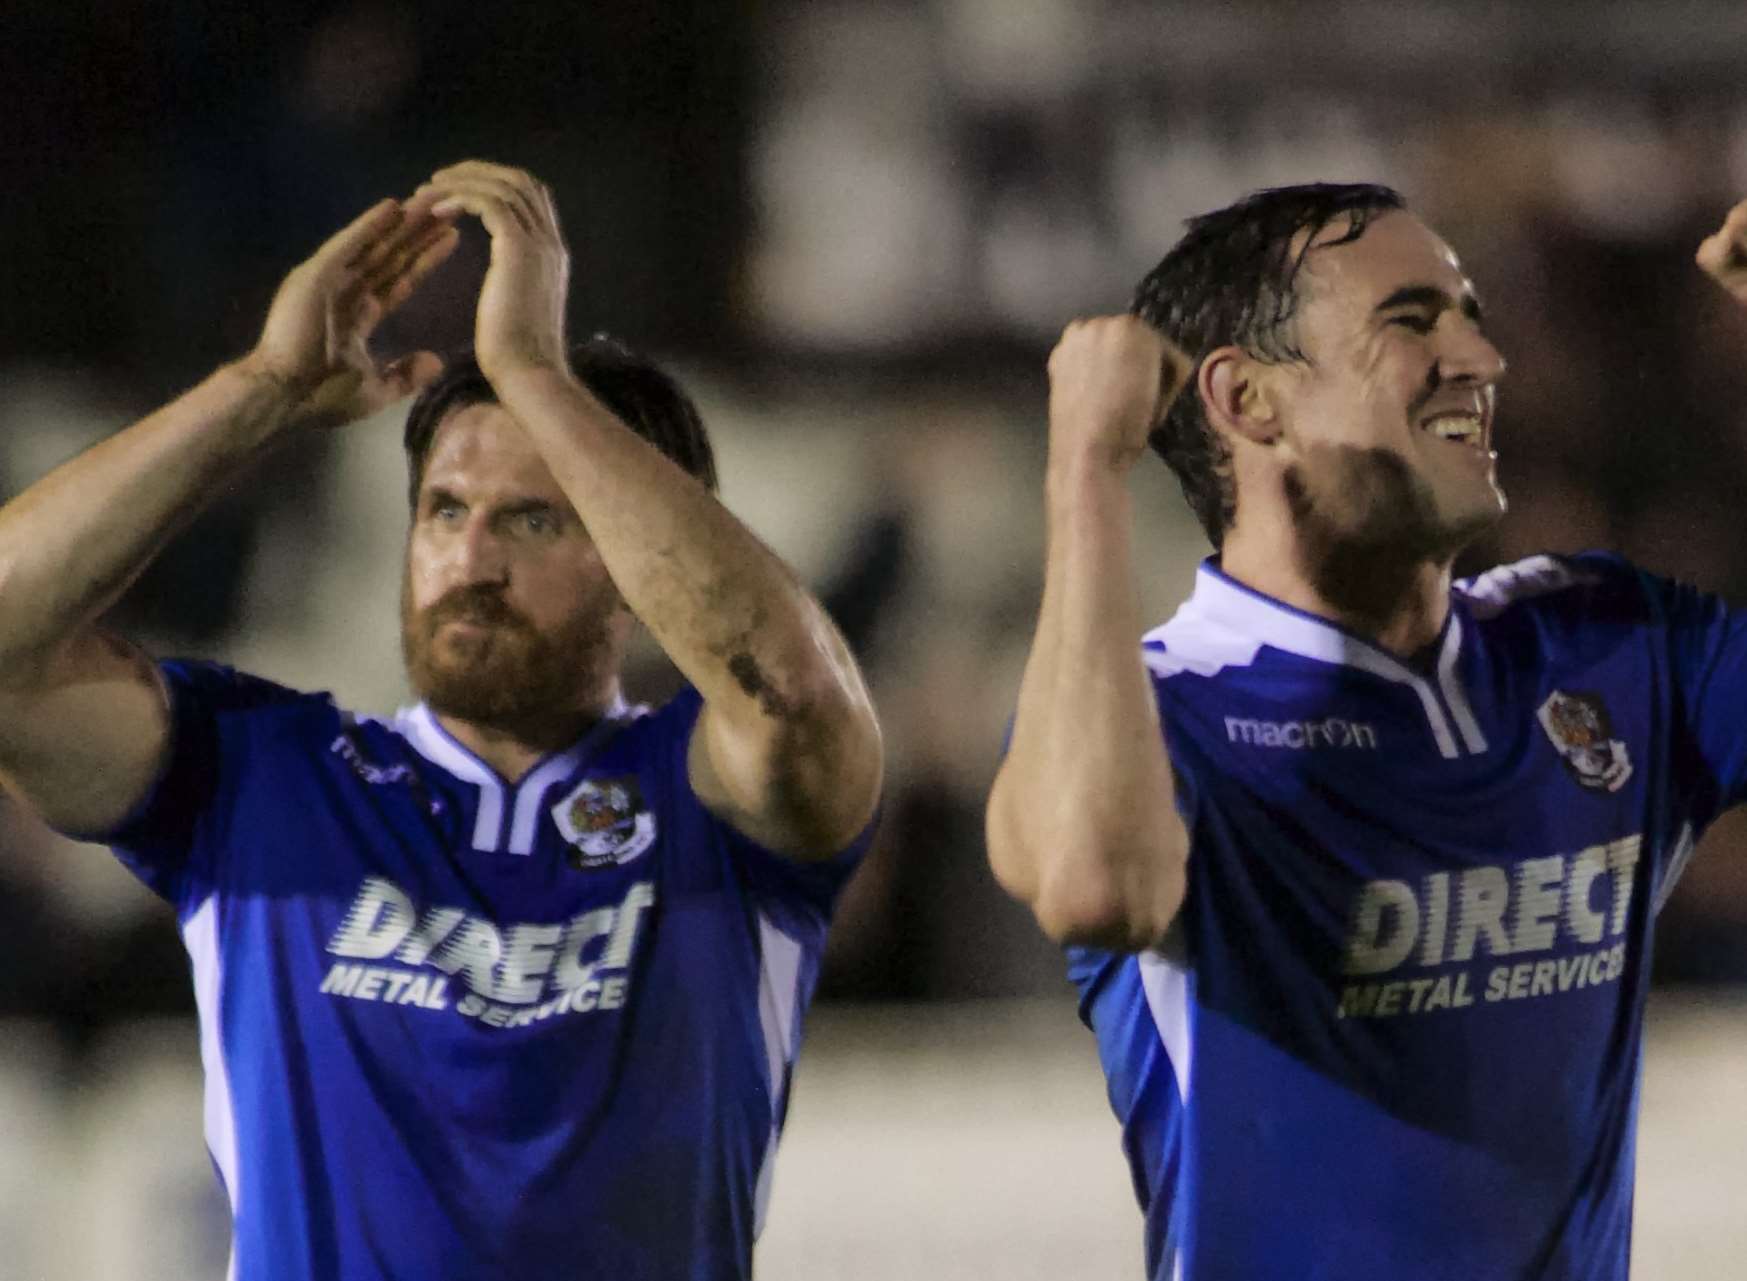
[854,228]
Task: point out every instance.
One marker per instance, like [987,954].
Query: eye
[446,511]
[539,522]
[1419,324]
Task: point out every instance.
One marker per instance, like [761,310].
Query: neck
[514,745]
[1396,599]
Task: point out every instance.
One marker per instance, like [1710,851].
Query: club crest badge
[605,822]
[1579,727]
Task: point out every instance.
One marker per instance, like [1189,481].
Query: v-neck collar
[509,814]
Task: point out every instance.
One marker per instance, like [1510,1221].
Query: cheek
[554,586]
[424,576]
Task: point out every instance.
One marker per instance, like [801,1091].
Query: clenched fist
[1111,380]
[1724,255]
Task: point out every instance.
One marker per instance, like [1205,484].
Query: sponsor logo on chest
[1578,906]
[504,975]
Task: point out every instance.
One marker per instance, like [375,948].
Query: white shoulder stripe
[1194,644]
[1495,591]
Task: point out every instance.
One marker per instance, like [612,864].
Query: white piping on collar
[1454,694]
[1235,609]
[433,742]
[531,791]
[428,737]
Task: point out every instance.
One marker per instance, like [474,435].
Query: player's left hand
[1724,255]
[520,321]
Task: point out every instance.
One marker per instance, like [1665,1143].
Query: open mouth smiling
[1461,426]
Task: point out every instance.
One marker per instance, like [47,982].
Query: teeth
[1463,427]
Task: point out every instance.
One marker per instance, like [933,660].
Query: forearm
[722,606]
[790,730]
[71,543]
[1082,821]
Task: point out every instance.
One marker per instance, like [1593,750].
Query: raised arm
[787,749]
[84,727]
[1082,826]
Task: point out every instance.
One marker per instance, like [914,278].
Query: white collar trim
[419,725]
[1222,605]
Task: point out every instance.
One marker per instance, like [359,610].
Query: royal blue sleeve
[170,838]
[798,897]
[1707,668]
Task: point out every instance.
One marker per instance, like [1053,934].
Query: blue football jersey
[1397,1029]
[455,1028]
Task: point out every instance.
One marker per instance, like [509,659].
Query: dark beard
[510,677]
[1366,534]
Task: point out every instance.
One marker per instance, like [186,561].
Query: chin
[1475,518]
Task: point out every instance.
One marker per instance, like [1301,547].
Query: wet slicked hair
[1232,280]
[644,396]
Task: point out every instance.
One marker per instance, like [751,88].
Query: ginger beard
[501,669]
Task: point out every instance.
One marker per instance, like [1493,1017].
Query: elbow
[1077,912]
[816,774]
[1118,892]
[1119,914]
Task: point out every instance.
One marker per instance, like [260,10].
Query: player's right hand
[1111,379]
[315,342]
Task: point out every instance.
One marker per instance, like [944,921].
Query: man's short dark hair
[1232,279]
[644,396]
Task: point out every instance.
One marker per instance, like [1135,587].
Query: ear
[1236,394]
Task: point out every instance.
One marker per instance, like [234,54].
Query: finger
[413,372]
[529,190]
[361,318]
[498,218]
[418,226]
[1726,249]
[515,191]
[407,282]
[384,272]
[549,203]
[1735,222]
[501,219]
[517,199]
[351,242]
[1721,253]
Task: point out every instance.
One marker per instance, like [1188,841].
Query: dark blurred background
[854,227]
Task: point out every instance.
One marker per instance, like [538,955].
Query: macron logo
[1301,736]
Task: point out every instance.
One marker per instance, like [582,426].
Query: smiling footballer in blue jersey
[509,984]
[1357,866]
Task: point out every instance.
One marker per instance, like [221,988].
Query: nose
[1469,358]
[480,554]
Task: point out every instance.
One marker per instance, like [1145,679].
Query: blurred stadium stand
[855,227]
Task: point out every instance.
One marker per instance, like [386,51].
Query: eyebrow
[437,495]
[523,506]
[1433,297]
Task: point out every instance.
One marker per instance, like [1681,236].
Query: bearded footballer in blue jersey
[1357,866]
[509,985]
